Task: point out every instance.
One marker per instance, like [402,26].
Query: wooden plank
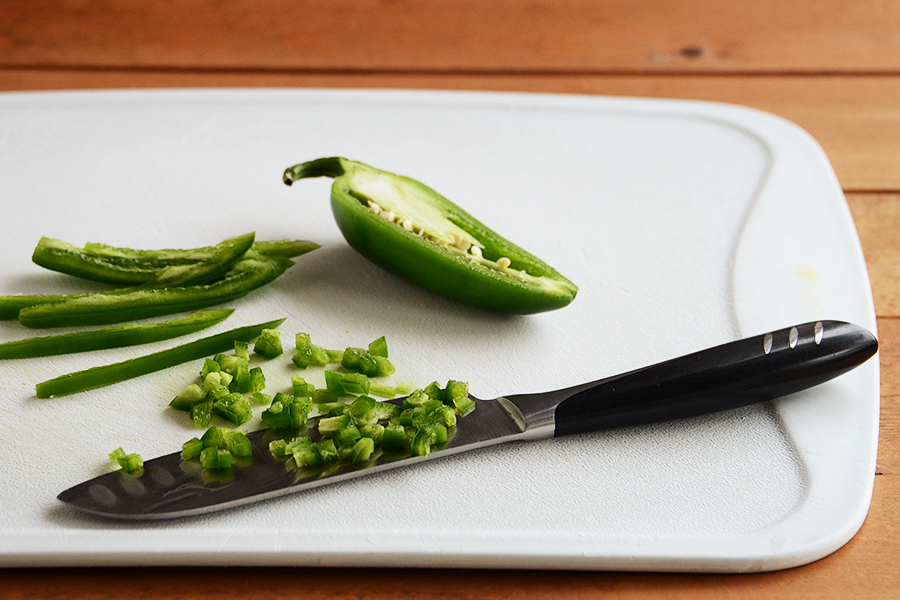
[855,118]
[877,218]
[457,35]
[864,568]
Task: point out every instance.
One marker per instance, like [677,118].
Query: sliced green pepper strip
[412,231]
[128,267]
[220,261]
[195,266]
[113,337]
[132,304]
[284,248]
[135,367]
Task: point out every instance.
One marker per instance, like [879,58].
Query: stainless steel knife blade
[731,375]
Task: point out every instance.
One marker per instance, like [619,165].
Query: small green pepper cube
[327,450]
[278,448]
[355,383]
[446,415]
[315,356]
[410,416]
[241,349]
[379,347]
[404,388]
[431,406]
[328,425]
[463,405]
[304,452]
[362,405]
[384,367]
[299,413]
[374,431]
[215,458]
[278,415]
[335,356]
[394,440]
[332,409]
[382,411]
[434,391]
[324,396]
[188,397]
[241,381]
[346,436]
[440,433]
[218,393]
[239,444]
[209,366]
[130,463]
[417,398]
[456,389]
[358,360]
[334,383]
[191,449]
[421,444]
[201,413]
[362,450]
[215,437]
[268,344]
[229,362]
[308,354]
[216,379]
[234,408]
[261,398]
[257,380]
[299,387]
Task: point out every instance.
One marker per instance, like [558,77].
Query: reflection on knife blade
[729,376]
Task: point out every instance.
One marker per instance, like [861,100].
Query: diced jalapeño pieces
[268,345]
[457,394]
[217,448]
[308,354]
[379,347]
[287,412]
[413,231]
[358,430]
[130,463]
[191,449]
[358,360]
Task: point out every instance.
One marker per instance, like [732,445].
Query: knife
[735,374]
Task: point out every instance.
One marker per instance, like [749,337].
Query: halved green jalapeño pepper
[412,231]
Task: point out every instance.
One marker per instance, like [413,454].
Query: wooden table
[832,66]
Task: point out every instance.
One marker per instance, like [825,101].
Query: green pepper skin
[132,334]
[129,267]
[96,377]
[429,264]
[129,304]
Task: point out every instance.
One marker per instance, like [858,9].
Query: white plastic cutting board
[685,225]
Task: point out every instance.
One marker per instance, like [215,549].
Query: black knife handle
[729,376]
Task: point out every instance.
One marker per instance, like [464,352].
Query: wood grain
[456,35]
